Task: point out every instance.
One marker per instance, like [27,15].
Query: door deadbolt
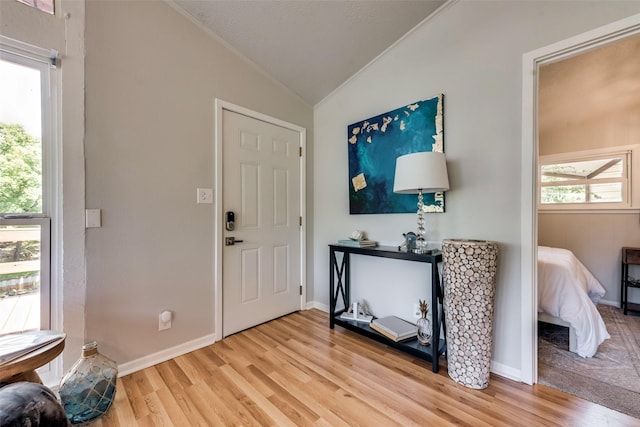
[230,221]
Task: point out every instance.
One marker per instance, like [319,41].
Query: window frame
[628,158]
[50,219]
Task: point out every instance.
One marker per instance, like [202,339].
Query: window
[28,149]
[586,180]
[44,5]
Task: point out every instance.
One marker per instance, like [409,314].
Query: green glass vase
[89,388]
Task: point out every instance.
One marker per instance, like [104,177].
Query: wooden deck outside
[19,312]
[19,296]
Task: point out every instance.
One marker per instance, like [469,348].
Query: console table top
[389,252]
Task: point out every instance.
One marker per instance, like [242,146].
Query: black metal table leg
[341,272]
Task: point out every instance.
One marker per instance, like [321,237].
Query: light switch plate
[205,195]
[92,218]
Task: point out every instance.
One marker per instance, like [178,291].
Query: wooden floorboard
[295,371]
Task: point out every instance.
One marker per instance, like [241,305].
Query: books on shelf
[358,243]
[15,345]
[394,328]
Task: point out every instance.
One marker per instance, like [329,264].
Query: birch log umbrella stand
[469,273]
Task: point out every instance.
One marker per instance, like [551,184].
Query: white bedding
[567,290]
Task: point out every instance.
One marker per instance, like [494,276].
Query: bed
[567,295]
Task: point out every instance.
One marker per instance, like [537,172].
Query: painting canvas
[375,143]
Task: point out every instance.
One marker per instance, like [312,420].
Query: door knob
[230,241]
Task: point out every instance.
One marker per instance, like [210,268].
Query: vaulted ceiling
[313,46]
[309,46]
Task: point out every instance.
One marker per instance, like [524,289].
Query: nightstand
[629,256]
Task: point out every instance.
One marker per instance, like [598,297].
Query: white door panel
[261,185]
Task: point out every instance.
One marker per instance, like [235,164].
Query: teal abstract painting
[375,143]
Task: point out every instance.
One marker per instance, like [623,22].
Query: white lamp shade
[424,171]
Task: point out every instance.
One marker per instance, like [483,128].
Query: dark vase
[89,388]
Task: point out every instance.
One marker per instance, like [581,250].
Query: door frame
[220,106]
[529,178]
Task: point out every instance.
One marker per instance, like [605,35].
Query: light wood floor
[295,371]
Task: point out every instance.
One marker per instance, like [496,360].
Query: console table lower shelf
[340,294]
[411,346]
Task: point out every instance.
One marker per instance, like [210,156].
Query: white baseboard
[164,355]
[506,371]
[612,303]
[179,350]
[319,306]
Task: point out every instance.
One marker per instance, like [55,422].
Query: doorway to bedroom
[588,127]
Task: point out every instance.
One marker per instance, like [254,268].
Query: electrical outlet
[164,320]
[205,195]
[416,311]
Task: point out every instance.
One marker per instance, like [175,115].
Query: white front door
[261,188]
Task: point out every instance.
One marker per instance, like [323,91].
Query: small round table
[24,368]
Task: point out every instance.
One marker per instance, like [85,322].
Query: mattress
[568,290]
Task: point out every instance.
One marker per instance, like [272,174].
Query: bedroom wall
[596,238]
[64,32]
[151,80]
[479,70]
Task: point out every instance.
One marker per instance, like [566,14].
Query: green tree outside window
[20,170]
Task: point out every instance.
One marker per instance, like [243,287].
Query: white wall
[151,80]
[471,52]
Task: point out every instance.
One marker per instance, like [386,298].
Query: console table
[630,256]
[341,271]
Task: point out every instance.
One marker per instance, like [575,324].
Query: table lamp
[418,173]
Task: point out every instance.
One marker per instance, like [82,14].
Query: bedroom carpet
[611,378]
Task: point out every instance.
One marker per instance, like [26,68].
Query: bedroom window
[585,181]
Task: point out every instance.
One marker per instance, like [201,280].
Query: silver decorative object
[424,324]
